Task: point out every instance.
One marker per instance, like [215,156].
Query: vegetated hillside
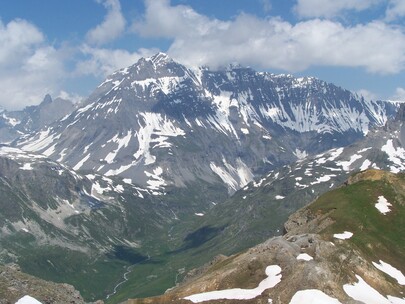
[347,246]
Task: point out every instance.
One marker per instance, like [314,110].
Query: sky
[67,47]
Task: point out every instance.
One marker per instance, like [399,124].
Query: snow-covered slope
[161,124]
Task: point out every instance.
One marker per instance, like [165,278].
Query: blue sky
[67,47]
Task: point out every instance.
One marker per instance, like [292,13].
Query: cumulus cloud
[266,5]
[163,20]
[331,8]
[112,26]
[102,62]
[29,68]
[399,94]
[368,95]
[273,42]
[395,10]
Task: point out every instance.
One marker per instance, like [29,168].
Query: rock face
[15,284]
[162,124]
[314,257]
[15,123]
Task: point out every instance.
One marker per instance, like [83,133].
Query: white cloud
[102,62]
[112,26]
[163,20]
[29,68]
[399,94]
[331,8]
[395,9]
[75,98]
[266,5]
[17,39]
[273,42]
[368,95]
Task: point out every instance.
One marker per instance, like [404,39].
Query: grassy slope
[352,207]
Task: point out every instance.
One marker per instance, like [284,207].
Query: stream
[125,278]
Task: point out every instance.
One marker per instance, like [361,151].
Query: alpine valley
[165,168]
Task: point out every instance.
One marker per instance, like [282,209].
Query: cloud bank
[377,46]
[29,67]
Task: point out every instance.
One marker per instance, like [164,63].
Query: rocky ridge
[14,284]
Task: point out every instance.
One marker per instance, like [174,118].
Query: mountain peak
[47,100]
[160,59]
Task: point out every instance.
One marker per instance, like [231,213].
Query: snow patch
[279,197]
[127,181]
[323,179]
[28,300]
[383,205]
[312,296]
[304,257]
[391,271]
[346,164]
[396,156]
[343,236]
[122,142]
[235,177]
[273,278]
[363,292]
[366,164]
[80,163]
[26,166]
[244,131]
[156,182]
[300,154]
[155,129]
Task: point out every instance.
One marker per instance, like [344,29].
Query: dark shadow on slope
[126,254]
[199,237]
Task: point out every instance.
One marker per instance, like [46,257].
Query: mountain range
[163,167]
[160,124]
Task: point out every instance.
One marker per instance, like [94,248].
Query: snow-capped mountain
[13,124]
[159,124]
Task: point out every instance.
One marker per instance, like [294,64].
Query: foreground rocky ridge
[335,246]
[15,284]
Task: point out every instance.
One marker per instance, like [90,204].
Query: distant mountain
[161,124]
[346,247]
[13,124]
